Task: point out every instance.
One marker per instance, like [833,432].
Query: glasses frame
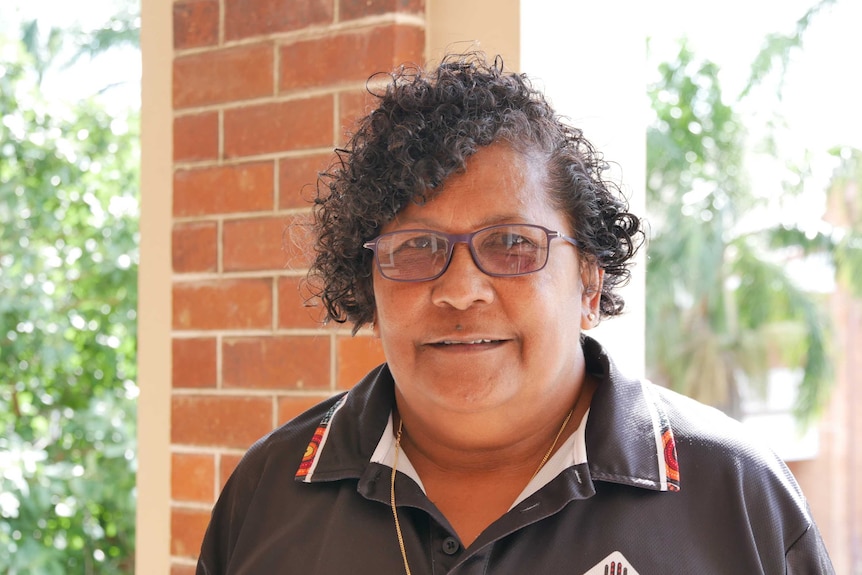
[454,239]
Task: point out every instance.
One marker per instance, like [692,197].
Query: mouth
[450,343]
[473,342]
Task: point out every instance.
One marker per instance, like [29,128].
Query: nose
[463,284]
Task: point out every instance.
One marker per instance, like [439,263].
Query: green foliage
[722,309]
[122,29]
[694,133]
[842,240]
[774,56]
[68,297]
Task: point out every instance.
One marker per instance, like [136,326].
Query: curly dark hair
[426,126]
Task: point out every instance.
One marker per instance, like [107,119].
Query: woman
[473,230]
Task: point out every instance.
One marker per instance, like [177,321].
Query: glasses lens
[411,255]
[511,250]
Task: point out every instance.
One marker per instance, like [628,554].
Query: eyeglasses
[501,251]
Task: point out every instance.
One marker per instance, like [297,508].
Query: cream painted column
[492,26]
[591,59]
[154,292]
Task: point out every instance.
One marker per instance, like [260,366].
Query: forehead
[498,185]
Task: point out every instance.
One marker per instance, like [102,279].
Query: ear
[592,277]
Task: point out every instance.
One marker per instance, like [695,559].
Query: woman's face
[467,342]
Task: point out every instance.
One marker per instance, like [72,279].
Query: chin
[466,396]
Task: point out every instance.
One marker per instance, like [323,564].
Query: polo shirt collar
[628,436]
[630,439]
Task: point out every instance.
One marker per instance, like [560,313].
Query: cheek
[540,307]
[561,284]
[394,307]
[557,303]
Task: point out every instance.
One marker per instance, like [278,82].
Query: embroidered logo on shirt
[613,564]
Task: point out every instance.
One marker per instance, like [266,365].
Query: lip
[466,342]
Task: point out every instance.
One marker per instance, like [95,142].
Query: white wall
[590,57]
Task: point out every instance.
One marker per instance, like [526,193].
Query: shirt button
[450,546]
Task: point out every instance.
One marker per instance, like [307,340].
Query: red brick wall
[263,90]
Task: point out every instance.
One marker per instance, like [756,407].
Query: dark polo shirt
[667,486]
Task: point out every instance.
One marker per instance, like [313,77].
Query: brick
[196,137]
[225,75]
[279,127]
[352,106]
[352,9]
[223,304]
[193,477]
[254,244]
[225,421]
[194,362]
[264,244]
[195,23]
[317,62]
[356,356]
[228,463]
[194,247]
[297,179]
[295,308]
[245,187]
[291,362]
[298,241]
[289,407]
[246,18]
[187,531]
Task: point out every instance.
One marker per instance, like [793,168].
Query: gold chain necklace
[392,498]
[395,466]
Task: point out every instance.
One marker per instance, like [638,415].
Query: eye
[418,243]
[413,242]
[508,240]
[515,240]
[421,242]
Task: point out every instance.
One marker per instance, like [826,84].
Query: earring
[591,317]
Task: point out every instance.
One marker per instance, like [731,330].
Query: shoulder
[705,428]
[704,432]
[285,446]
[718,453]
[689,417]
[276,455]
[265,478]
[630,417]
[357,417]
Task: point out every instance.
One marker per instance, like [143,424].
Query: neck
[475,445]
[474,487]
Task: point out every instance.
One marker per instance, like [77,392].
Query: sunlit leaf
[68,265]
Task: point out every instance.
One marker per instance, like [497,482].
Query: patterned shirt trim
[315,446]
[665,444]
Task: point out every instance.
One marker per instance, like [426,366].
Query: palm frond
[778,48]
